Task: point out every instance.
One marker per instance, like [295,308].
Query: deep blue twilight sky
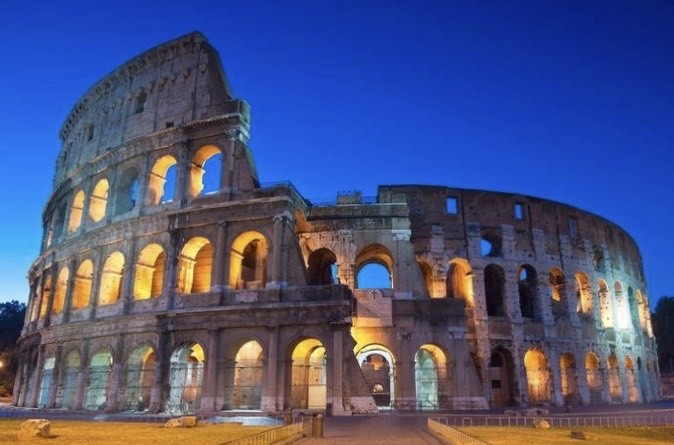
[567,100]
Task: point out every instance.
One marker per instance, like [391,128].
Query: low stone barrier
[452,435]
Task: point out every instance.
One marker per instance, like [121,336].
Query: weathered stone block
[33,428]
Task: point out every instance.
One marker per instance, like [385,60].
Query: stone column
[581,375]
[126,294]
[82,376]
[37,378]
[272,399]
[171,268]
[208,394]
[220,262]
[161,366]
[336,369]
[143,182]
[403,377]
[278,250]
[182,175]
[555,371]
[58,370]
[67,304]
[113,391]
[96,278]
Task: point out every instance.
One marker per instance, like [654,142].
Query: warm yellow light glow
[99,200]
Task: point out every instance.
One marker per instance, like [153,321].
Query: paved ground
[388,429]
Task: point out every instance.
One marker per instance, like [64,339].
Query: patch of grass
[561,436]
[68,432]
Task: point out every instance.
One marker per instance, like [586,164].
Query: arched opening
[82,287]
[374,266]
[631,381]
[100,371]
[46,294]
[538,376]
[527,283]
[195,266]
[308,375]
[595,381]
[185,375]
[111,279]
[162,181]
[644,314]
[494,287]
[71,369]
[605,306]
[46,382]
[248,265]
[491,243]
[614,378]
[460,281]
[139,378]
[76,210]
[60,292]
[430,365]
[99,200]
[557,291]
[149,278]
[501,377]
[126,194]
[583,294]
[567,367]
[377,364]
[205,171]
[322,267]
[248,377]
[427,274]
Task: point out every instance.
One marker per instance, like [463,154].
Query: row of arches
[121,191]
[193,275]
[607,382]
[632,311]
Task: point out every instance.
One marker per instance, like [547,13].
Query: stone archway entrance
[377,364]
[309,376]
[500,376]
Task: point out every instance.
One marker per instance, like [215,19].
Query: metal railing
[559,421]
[269,436]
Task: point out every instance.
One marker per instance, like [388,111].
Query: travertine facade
[170,280]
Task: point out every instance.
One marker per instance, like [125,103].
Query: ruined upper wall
[167,86]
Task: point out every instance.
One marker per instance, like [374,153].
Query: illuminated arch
[631,381]
[605,305]
[460,281]
[185,377]
[595,380]
[248,377]
[308,376]
[98,202]
[538,376]
[557,284]
[126,191]
[427,274]
[149,279]
[206,158]
[100,370]
[430,375]
[70,370]
[378,366]
[139,378]
[82,288]
[76,210]
[195,266]
[583,294]
[111,279]
[248,261]
[569,376]
[60,292]
[163,172]
[615,390]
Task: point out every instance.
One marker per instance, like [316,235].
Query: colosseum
[169,280]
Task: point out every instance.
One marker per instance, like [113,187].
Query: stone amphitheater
[169,280]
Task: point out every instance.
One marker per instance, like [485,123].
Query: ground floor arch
[538,376]
[308,388]
[185,378]
[569,378]
[139,378]
[70,371]
[595,380]
[430,377]
[46,382]
[378,366]
[246,382]
[615,390]
[501,377]
[631,381]
[100,371]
